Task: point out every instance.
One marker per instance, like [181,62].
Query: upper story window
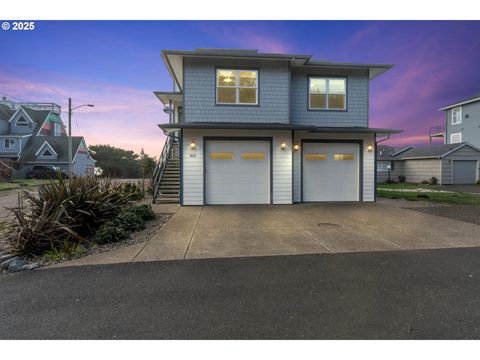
[237,87]
[327,93]
[21,122]
[456,115]
[9,143]
[456,138]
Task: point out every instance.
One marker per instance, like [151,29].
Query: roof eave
[460,103]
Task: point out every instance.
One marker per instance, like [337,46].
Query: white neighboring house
[260,128]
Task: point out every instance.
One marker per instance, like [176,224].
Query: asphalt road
[428,294]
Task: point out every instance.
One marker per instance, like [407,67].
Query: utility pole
[70,139]
[70,111]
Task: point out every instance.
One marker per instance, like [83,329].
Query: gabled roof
[174,60]
[434,152]
[58,143]
[6,112]
[468,100]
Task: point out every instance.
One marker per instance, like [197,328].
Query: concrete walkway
[265,230]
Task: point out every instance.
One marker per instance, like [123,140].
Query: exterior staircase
[166,177]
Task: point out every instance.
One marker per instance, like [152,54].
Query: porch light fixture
[296,147]
[283,145]
[369,147]
[193,145]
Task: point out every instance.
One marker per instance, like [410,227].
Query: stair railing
[160,167]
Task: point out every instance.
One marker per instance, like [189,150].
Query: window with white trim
[383,166]
[237,87]
[327,93]
[9,143]
[457,115]
[456,138]
[21,122]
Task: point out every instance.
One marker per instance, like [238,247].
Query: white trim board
[49,146]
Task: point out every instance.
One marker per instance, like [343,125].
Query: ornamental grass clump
[64,210]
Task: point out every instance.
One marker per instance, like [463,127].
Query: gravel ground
[467,213]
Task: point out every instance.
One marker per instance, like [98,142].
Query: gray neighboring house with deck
[34,134]
[462,122]
[247,127]
[449,163]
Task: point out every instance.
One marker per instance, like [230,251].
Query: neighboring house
[386,156]
[261,128]
[462,122]
[449,164]
[34,134]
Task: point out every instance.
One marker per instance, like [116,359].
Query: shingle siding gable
[200,92]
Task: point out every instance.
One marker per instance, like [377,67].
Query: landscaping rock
[4,257]
[6,263]
[16,265]
[31,266]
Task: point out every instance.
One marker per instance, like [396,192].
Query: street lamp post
[70,111]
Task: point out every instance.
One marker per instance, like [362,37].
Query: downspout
[379,141]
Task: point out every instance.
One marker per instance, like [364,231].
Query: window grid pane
[241,89]
[327,93]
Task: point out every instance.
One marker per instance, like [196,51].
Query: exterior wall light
[369,147]
[296,147]
[283,145]
[193,145]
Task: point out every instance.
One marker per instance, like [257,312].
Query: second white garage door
[237,172]
[331,171]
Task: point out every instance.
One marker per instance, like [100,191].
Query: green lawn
[20,184]
[456,198]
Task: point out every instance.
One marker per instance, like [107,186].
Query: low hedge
[133,219]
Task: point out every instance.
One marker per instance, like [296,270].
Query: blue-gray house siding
[469,127]
[200,92]
[356,113]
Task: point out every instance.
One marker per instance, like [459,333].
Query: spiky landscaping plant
[62,210]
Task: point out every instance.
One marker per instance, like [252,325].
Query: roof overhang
[166,96]
[460,103]
[277,126]
[374,70]
[174,60]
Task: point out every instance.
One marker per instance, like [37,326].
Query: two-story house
[262,128]
[462,121]
[34,134]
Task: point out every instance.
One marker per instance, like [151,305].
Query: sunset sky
[116,65]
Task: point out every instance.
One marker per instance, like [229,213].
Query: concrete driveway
[265,230]
[262,230]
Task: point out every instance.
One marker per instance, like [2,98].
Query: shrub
[144,211]
[63,209]
[109,233]
[129,221]
[401,179]
[134,190]
[68,250]
[424,182]
[433,180]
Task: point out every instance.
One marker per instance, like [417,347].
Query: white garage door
[330,172]
[237,172]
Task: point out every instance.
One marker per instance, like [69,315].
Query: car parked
[47,172]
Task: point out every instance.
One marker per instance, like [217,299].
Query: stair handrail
[160,167]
